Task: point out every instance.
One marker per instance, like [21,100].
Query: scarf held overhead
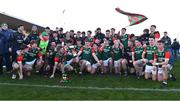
[133,18]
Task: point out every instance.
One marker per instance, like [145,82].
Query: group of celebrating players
[119,54]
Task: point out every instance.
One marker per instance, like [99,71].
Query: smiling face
[123,31]
[107,33]
[137,43]
[152,28]
[160,46]
[95,46]
[151,41]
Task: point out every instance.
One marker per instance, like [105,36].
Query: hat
[4,24]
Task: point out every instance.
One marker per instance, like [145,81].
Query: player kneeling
[96,60]
[138,62]
[148,58]
[161,60]
[25,60]
[106,56]
[86,56]
[60,62]
[117,56]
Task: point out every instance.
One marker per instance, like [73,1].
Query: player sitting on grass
[161,59]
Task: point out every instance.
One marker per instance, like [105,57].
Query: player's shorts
[94,65]
[148,69]
[67,63]
[140,63]
[160,71]
[106,62]
[30,62]
[87,63]
[117,63]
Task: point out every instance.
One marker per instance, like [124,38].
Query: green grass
[12,92]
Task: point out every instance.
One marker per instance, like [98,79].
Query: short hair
[113,29]
[61,29]
[98,28]
[132,35]
[78,31]
[72,31]
[160,41]
[54,32]
[20,26]
[152,37]
[124,29]
[107,30]
[146,30]
[138,39]
[47,28]
[83,32]
[153,26]
[89,31]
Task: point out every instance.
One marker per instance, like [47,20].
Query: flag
[133,18]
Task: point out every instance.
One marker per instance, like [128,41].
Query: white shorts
[116,63]
[160,71]
[148,69]
[106,62]
[68,63]
[31,62]
[94,65]
[87,63]
[140,63]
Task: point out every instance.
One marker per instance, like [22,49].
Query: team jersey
[32,37]
[124,40]
[69,53]
[43,45]
[51,54]
[150,50]
[117,53]
[68,41]
[128,53]
[56,40]
[161,56]
[106,52]
[31,54]
[86,54]
[90,39]
[61,36]
[59,57]
[138,52]
[97,53]
[77,48]
[115,36]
